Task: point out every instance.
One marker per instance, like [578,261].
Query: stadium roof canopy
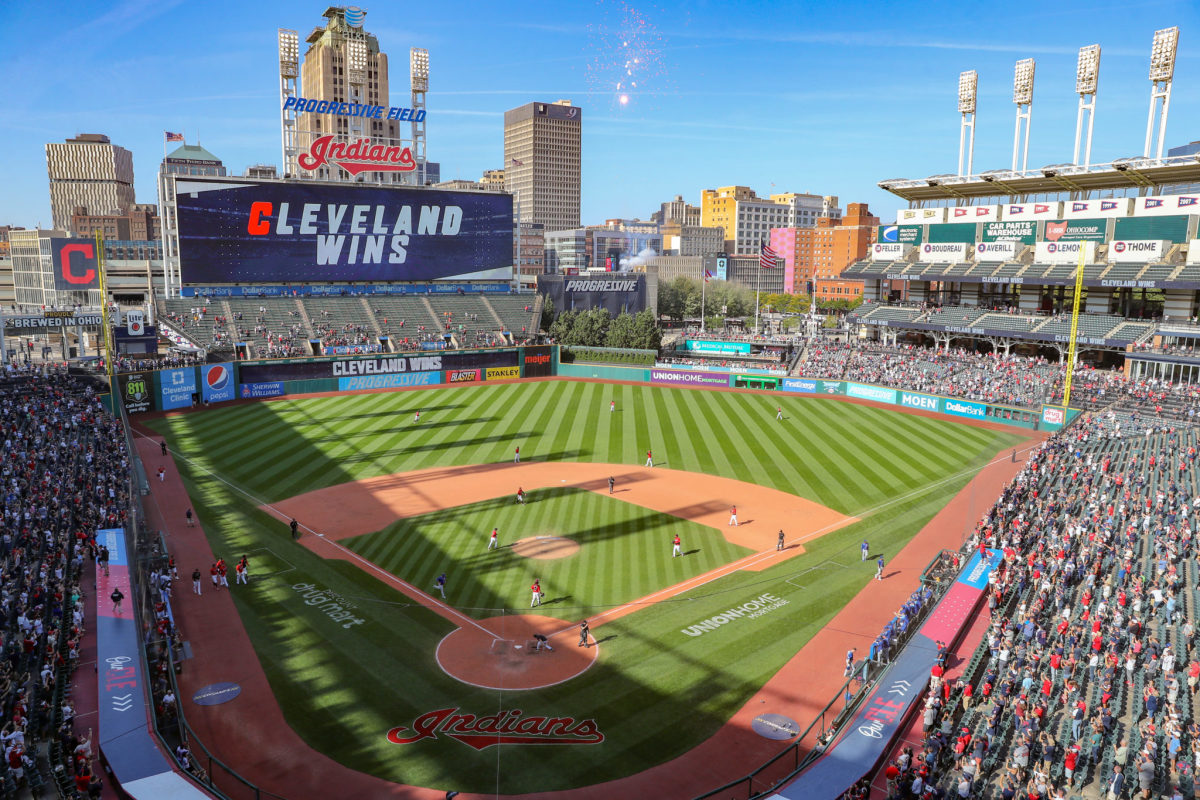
[1149,176]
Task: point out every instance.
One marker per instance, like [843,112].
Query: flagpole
[703,286]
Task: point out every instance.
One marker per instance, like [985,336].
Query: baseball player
[849,661]
[779,413]
[649,458]
[163,445]
[240,569]
[190,519]
[536,589]
[196,580]
[541,643]
[162,474]
[733,516]
[520,495]
[440,584]
[584,630]
[865,550]
[215,578]
[612,406]
[611,484]
[517,456]
[879,569]
[222,571]
[417,416]
[494,541]
[677,550]
[779,544]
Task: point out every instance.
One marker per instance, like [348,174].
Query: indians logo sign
[358,156]
[507,727]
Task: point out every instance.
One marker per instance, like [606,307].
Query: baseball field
[371,667]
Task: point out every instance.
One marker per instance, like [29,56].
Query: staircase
[371,316]
[492,311]
[437,323]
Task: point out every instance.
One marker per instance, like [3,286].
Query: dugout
[756,382]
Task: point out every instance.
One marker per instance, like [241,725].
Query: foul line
[442,609]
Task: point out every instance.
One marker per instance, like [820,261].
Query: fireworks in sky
[626,59]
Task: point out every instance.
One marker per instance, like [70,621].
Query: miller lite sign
[135,322]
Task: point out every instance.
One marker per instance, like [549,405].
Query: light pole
[1162,70]
[1023,97]
[1087,79]
[968,88]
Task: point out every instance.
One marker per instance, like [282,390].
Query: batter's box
[264,563]
[501,647]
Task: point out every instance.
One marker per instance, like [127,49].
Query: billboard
[538,362]
[402,380]
[963,232]
[253,390]
[271,371]
[922,402]
[1075,230]
[799,385]
[501,373]
[1083,209]
[75,265]
[617,292]
[675,377]
[864,391]
[272,232]
[216,383]
[701,346]
[944,253]
[135,391]
[995,251]
[1051,210]
[888,251]
[1140,251]
[1171,204]
[1172,228]
[1023,231]
[1064,252]
[176,387]
[962,408]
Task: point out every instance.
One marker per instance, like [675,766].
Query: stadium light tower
[968,89]
[1087,78]
[418,68]
[289,74]
[1023,97]
[1162,70]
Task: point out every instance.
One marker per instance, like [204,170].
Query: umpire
[295,526]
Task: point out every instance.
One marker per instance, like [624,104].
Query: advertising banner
[463,375]
[888,251]
[1054,416]
[920,216]
[995,251]
[799,385]
[1172,228]
[176,387]
[135,391]
[1023,231]
[268,371]
[625,291]
[1140,251]
[216,383]
[537,362]
[957,232]
[53,319]
[830,387]
[722,268]
[401,380]
[1082,209]
[945,253]
[963,408]
[231,232]
[75,266]
[677,377]
[975,214]
[923,402]
[268,389]
[502,373]
[866,392]
[1051,210]
[701,346]
[1064,252]
[1171,204]
[1075,230]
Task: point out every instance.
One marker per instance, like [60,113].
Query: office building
[8,294]
[691,240]
[262,171]
[599,248]
[493,179]
[812,255]
[91,172]
[192,159]
[747,219]
[531,254]
[679,212]
[542,151]
[343,64]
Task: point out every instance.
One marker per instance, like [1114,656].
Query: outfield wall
[167,389]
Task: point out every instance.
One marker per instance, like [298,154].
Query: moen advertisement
[216,383]
[384,365]
[537,362]
[177,387]
[135,391]
[232,232]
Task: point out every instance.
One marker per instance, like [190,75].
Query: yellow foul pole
[104,328]
[1074,325]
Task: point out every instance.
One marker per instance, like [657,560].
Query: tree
[672,298]
[646,334]
[547,314]
[620,332]
[560,329]
[590,328]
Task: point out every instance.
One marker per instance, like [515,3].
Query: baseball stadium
[352,510]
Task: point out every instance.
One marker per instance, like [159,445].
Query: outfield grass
[657,692]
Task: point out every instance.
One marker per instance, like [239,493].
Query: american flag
[708,275]
[518,163]
[173,137]
[767,256]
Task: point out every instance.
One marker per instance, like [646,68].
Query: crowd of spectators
[724,364]
[63,470]
[166,361]
[1088,671]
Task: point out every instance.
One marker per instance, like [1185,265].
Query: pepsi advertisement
[216,383]
[272,232]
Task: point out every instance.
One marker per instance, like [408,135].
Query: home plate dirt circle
[499,653]
[545,547]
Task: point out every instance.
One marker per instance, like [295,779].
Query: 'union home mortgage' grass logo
[507,727]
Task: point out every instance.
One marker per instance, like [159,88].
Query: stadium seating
[343,322]
[406,317]
[1094,325]
[1009,322]
[198,320]
[956,315]
[511,308]
[270,328]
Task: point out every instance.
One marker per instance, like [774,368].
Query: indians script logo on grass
[356,157]
[507,727]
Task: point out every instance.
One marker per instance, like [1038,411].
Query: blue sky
[825,98]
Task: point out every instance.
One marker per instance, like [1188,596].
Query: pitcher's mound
[501,653]
[545,547]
